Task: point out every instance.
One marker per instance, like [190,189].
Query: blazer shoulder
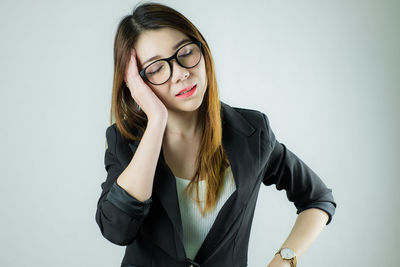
[260,121]
[114,136]
[253,116]
[111,136]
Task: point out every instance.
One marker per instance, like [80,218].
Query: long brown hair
[212,160]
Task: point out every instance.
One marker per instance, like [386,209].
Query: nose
[179,73]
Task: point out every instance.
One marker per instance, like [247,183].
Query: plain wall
[327,74]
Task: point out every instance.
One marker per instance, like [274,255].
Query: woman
[184,168]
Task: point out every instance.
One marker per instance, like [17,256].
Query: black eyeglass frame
[142,73]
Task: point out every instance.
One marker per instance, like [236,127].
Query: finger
[132,73]
[133,64]
[128,67]
[136,80]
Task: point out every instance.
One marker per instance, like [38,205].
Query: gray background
[325,72]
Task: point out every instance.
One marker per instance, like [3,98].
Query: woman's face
[162,42]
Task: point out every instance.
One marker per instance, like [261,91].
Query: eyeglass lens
[160,71]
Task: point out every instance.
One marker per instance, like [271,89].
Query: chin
[190,104]
[186,106]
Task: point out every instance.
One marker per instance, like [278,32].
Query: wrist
[280,261]
[288,255]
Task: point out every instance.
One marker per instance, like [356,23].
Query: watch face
[287,253]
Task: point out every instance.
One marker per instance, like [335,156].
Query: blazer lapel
[241,142]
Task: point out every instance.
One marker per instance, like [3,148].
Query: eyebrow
[174,48]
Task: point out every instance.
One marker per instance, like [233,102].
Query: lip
[185,89]
[188,94]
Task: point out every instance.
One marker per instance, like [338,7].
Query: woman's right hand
[142,93]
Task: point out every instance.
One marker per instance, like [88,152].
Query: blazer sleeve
[119,215]
[303,186]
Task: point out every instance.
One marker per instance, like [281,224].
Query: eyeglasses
[159,72]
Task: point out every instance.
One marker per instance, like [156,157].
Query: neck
[182,125]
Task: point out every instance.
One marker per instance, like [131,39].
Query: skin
[176,120]
[308,226]
[182,134]
[182,113]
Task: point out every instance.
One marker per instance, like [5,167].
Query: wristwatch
[288,254]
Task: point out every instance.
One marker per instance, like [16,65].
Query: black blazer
[152,230]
